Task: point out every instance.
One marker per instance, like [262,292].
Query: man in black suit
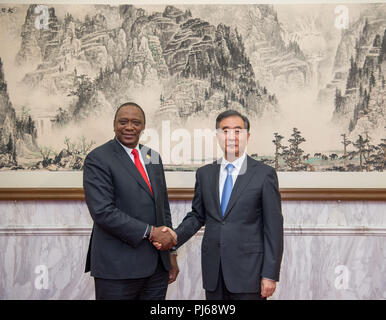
[125,191]
[237,199]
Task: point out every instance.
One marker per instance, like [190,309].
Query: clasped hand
[164,238]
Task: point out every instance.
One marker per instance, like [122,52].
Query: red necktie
[140,168]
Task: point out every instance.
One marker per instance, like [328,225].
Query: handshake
[163,238]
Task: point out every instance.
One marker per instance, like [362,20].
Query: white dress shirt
[235,172]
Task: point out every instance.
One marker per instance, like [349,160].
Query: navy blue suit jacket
[248,239]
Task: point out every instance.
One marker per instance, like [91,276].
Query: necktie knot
[229,168]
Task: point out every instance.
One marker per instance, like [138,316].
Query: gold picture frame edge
[287,194]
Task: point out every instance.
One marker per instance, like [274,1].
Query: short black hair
[232,113]
[126,104]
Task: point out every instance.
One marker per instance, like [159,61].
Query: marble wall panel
[332,250]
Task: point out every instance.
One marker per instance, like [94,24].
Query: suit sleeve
[195,219]
[168,217]
[273,227]
[100,198]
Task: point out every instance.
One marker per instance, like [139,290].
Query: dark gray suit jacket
[249,238]
[121,205]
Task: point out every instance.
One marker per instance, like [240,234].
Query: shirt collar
[237,163]
[127,149]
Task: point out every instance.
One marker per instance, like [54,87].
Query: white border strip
[191,2]
[46,231]
[288,231]
[335,231]
[178,179]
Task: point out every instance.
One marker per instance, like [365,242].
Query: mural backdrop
[311,79]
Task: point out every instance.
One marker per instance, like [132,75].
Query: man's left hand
[174,271]
[267,287]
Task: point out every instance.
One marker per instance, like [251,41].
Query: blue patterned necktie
[227,190]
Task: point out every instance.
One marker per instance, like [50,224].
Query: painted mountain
[147,50]
[72,66]
[358,89]
[17,134]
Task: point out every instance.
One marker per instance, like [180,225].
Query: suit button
[223,222]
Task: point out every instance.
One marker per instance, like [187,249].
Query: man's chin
[129,142]
[232,153]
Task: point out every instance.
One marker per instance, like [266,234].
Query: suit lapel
[241,183]
[130,167]
[150,168]
[215,186]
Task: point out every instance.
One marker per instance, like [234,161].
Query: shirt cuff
[268,279]
[147,228]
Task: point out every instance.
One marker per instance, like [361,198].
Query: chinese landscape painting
[310,78]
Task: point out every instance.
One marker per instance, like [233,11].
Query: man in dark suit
[125,191]
[237,199]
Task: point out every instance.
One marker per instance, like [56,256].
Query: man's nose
[129,126]
[231,136]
